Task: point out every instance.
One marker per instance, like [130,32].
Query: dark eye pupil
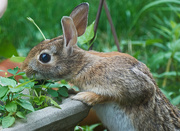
[45,58]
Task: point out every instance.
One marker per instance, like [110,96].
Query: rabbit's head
[52,59]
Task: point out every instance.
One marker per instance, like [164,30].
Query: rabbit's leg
[90,98]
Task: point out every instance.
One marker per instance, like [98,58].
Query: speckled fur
[120,88]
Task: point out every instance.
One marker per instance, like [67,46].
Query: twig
[112,26]
[110,22]
[167,70]
[96,22]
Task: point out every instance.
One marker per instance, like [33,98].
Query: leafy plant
[171,53]
[151,5]
[17,59]
[84,40]
[15,102]
[86,128]
[13,105]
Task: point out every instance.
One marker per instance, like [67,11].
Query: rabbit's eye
[44,57]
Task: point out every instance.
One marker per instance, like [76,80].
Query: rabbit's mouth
[41,75]
[37,76]
[32,74]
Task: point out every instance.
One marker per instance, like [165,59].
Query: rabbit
[119,88]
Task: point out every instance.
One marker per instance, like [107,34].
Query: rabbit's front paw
[90,98]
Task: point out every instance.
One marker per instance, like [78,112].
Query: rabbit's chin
[36,76]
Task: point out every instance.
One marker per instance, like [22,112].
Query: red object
[7,64]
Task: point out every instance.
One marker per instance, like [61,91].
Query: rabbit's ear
[69,33]
[80,17]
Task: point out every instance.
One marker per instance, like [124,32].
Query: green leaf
[53,93]
[25,104]
[159,45]
[20,73]
[28,84]
[3,90]
[57,85]
[7,82]
[2,108]
[177,56]
[54,85]
[150,5]
[16,89]
[21,86]
[170,74]
[153,41]
[165,93]
[2,71]
[36,100]
[17,59]
[86,128]
[92,127]
[7,50]
[59,99]
[79,128]
[11,107]
[14,71]
[53,102]
[64,82]
[39,100]
[63,91]
[175,46]
[21,115]
[176,100]
[16,95]
[8,121]
[42,98]
[88,35]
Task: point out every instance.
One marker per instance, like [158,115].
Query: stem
[8,96]
[12,94]
[167,70]
[112,26]
[130,47]
[96,22]
[31,20]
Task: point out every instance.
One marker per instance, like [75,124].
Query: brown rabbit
[120,88]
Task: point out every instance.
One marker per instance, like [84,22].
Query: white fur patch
[113,117]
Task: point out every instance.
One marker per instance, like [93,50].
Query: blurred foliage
[87,128]
[148,30]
